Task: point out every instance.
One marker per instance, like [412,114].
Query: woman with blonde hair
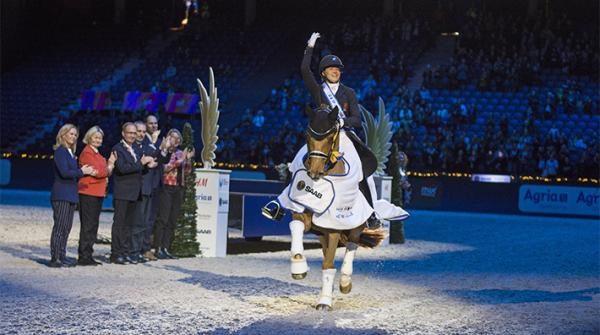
[64,192]
[92,190]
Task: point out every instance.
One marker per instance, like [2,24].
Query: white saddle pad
[315,195]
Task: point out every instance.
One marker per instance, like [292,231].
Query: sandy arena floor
[457,274]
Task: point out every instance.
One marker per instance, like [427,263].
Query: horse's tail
[370,238]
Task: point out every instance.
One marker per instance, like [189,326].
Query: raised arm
[307,76]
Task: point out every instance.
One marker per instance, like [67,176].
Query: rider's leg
[372,188]
[364,186]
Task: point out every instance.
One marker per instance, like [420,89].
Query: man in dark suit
[142,228]
[127,191]
[333,93]
[154,180]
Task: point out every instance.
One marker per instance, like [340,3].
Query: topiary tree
[184,242]
[399,183]
[393,169]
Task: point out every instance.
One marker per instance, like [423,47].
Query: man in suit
[153,180]
[127,191]
[143,226]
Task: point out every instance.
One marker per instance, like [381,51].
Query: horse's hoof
[323,307]
[299,276]
[299,267]
[346,289]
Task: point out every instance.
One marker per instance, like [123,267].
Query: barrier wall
[453,194]
[444,194]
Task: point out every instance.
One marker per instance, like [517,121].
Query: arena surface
[457,273]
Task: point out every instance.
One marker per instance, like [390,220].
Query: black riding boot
[372,222]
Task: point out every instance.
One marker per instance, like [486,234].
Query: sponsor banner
[212,199]
[223,193]
[148,101]
[559,200]
[425,193]
[151,102]
[383,185]
[491,178]
[95,100]
[182,103]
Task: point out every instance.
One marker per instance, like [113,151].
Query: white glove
[313,39]
[341,122]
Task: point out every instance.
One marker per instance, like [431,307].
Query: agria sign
[559,200]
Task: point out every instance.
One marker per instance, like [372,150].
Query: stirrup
[273,211]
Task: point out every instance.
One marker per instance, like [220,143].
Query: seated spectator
[259,119]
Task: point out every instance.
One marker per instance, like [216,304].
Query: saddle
[367,157]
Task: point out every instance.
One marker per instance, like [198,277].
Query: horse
[316,170]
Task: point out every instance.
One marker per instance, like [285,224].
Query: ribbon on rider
[335,154]
[333,102]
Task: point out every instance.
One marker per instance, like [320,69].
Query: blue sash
[332,100]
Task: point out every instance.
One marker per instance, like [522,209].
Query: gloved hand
[313,39]
[341,122]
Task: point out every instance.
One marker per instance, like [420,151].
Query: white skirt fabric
[335,200]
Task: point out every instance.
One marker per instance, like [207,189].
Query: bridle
[331,156]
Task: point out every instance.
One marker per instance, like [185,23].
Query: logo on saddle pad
[316,195]
[302,186]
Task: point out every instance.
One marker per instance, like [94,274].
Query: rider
[332,92]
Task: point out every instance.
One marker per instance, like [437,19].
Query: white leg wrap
[349,258]
[326,297]
[298,266]
[297,230]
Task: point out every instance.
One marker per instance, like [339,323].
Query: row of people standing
[147,170]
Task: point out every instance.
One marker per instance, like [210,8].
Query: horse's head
[322,139]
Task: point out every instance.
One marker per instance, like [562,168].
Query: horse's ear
[309,111]
[333,115]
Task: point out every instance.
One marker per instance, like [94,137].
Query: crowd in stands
[549,130]
[507,52]
[519,95]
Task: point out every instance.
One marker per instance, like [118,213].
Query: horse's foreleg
[346,270]
[299,266]
[330,249]
[326,298]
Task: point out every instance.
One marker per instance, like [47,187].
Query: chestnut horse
[323,161]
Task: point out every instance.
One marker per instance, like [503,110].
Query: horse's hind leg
[346,270]
[298,266]
[326,298]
